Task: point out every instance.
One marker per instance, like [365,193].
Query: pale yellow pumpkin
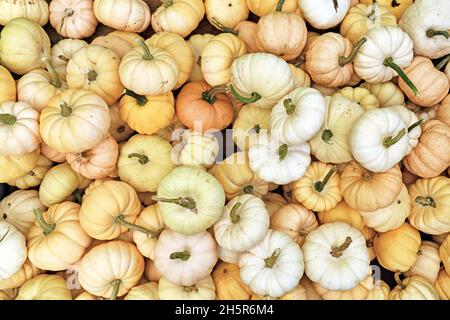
[33,10]
[344,213]
[264,7]
[380,291]
[17,166]
[274,202]
[444,253]
[151,219]
[428,262]
[250,121]
[413,288]
[125,15]
[121,42]
[227,13]
[360,95]
[387,93]
[7,86]
[45,287]
[33,177]
[62,52]
[197,42]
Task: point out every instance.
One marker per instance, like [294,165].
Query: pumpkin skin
[118,129]
[45,287]
[73,18]
[331,142]
[432,155]
[146,291]
[228,14]
[274,202]
[121,42]
[202,290]
[237,178]
[199,200]
[23,46]
[201,113]
[52,154]
[110,261]
[229,285]
[411,120]
[443,112]
[380,291]
[17,165]
[62,52]
[7,86]
[387,93]
[414,288]
[197,149]
[301,78]
[362,96]
[25,273]
[19,128]
[396,7]
[125,15]
[249,122]
[13,250]
[442,285]
[397,249]
[104,204]
[368,191]
[359,292]
[264,7]
[428,262]
[178,16]
[150,218]
[33,10]
[336,250]
[196,43]
[263,267]
[185,260]
[323,14]
[34,177]
[432,83]
[343,213]
[74,113]
[444,253]
[430,204]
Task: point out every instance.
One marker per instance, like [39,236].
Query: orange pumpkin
[443,112]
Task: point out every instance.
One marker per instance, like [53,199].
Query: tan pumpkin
[33,177]
[121,42]
[380,291]
[442,285]
[274,202]
[150,218]
[197,42]
[444,253]
[360,95]
[370,235]
[61,53]
[227,13]
[228,283]
[151,272]
[443,112]
[428,262]
[17,166]
[124,15]
[7,86]
[360,292]
[413,288]
[45,287]
[52,154]
[25,273]
[387,93]
[344,213]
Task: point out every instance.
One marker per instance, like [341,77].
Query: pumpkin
[336,256]
[440,237]
[7,86]
[443,112]
[57,240]
[249,122]
[331,142]
[190,200]
[432,155]
[23,46]
[301,78]
[274,202]
[196,43]
[397,249]
[17,166]
[97,162]
[425,114]
[202,290]
[9,294]
[111,269]
[150,218]
[387,93]
[360,292]
[369,234]
[264,267]
[294,220]
[13,250]
[143,161]
[442,285]
[226,13]
[86,296]
[151,272]
[73,18]
[148,70]
[119,129]
[396,7]
[380,291]
[428,262]
[59,183]
[362,96]
[52,154]
[62,52]
[432,83]
[413,123]
[173,132]
[33,10]
[26,272]
[264,7]
[276,162]
[33,177]
[413,288]
[380,61]
[121,42]
[237,178]
[379,139]
[324,14]
[19,128]
[74,113]
[228,283]
[430,204]
[444,253]
[298,116]
[228,255]
[146,291]
[343,213]
[184,260]
[125,15]
[197,149]
[261,79]
[203,108]
[45,287]
[243,224]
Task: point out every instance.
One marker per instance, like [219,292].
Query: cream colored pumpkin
[146,291]
[13,250]
[7,86]
[387,93]
[150,218]
[301,78]
[444,253]
[324,14]
[227,13]
[250,121]
[380,291]
[428,262]
[26,272]
[52,154]
[62,52]
[119,129]
[273,201]
[17,166]
[413,288]
[121,42]
[196,149]
[125,15]
[202,290]
[33,177]
[45,287]
[197,42]
[33,10]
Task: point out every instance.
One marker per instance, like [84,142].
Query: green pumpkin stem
[339,250]
[121,220]
[167,3]
[432,33]
[282,151]
[327,135]
[210,95]
[186,202]
[141,100]
[443,63]
[389,62]
[390,141]
[46,227]
[7,119]
[56,81]
[143,159]
[66,110]
[235,218]
[280,5]
[270,261]
[4,236]
[425,201]
[289,106]
[216,23]
[255,96]
[399,281]
[147,55]
[182,255]
[189,289]
[415,124]
[116,286]
[248,189]
[346,60]
[320,185]
[63,58]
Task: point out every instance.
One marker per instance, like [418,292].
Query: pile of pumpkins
[340,116]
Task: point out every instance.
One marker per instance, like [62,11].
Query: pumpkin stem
[210,95]
[339,250]
[426,201]
[235,218]
[282,151]
[327,135]
[7,119]
[65,109]
[167,3]
[255,96]
[289,106]
[31,173]
[270,261]
[320,185]
[186,202]
[182,255]
[143,159]
[432,33]
[121,220]
[141,100]
[46,228]
[190,288]
[373,11]
[443,63]
[256,129]
[116,286]
[390,141]
[415,124]
[336,5]
[4,236]
[78,195]
[389,62]
[280,5]
[68,12]
[248,189]
[346,60]
[399,281]
[63,58]
[56,81]
[92,75]
[299,61]
[216,23]
[147,55]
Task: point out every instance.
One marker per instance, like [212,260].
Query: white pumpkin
[428,24]
[13,250]
[185,260]
[202,290]
[274,266]
[276,162]
[336,256]
[196,149]
[324,14]
[298,116]
[379,139]
[228,255]
[244,223]
[412,122]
